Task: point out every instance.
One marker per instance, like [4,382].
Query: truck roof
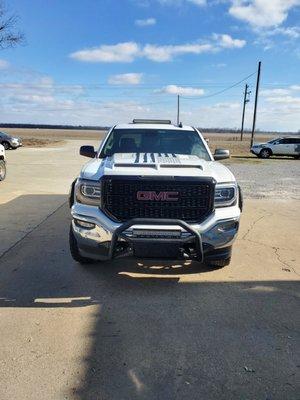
[154,126]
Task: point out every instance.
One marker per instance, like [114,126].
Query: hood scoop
[156,160]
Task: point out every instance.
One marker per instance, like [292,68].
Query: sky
[102,62]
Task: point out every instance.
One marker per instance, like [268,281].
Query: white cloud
[274,92]
[145,22]
[126,79]
[129,51]
[284,100]
[228,42]
[293,32]
[121,52]
[198,2]
[42,92]
[262,13]
[184,91]
[167,53]
[226,105]
[219,65]
[280,92]
[4,64]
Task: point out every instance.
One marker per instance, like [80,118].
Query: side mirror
[221,154]
[87,151]
[207,140]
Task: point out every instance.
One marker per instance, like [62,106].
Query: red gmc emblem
[157,196]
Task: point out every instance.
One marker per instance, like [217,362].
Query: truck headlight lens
[225,195]
[92,191]
[88,192]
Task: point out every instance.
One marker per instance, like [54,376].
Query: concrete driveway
[134,329]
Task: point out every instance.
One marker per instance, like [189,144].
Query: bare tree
[9,34]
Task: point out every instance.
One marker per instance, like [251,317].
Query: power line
[221,91]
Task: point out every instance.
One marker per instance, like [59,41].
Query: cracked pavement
[140,329]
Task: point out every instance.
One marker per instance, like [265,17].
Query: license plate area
[156,234]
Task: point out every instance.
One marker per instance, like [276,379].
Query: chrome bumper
[218,231]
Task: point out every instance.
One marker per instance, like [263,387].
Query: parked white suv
[2,163]
[154,190]
[287,146]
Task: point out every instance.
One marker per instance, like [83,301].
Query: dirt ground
[138,329]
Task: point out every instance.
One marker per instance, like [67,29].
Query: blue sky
[102,62]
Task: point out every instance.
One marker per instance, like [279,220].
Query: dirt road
[134,329]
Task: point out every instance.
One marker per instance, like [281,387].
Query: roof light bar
[152,121]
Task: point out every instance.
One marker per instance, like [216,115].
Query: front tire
[265,153]
[219,263]
[241,199]
[2,170]
[74,250]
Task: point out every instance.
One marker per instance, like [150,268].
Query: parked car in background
[10,142]
[287,146]
[2,163]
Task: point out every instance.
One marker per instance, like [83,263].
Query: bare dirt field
[49,137]
[137,329]
[46,137]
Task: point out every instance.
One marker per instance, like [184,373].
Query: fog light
[84,224]
[227,226]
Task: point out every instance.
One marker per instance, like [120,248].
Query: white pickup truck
[154,190]
[2,163]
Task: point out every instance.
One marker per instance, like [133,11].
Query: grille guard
[151,221]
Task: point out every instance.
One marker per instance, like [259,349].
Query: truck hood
[156,164]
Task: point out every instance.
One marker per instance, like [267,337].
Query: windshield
[273,140]
[155,141]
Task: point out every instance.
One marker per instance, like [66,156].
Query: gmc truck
[154,190]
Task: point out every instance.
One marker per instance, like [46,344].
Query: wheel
[2,170]
[6,145]
[219,263]
[75,251]
[71,194]
[265,153]
[241,199]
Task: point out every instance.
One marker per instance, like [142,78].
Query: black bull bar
[118,233]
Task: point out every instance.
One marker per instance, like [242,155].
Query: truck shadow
[152,335]
[46,263]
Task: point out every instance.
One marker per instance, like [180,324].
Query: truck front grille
[188,199]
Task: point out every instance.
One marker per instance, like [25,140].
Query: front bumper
[15,145]
[255,150]
[108,239]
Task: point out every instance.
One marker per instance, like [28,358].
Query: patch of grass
[35,142]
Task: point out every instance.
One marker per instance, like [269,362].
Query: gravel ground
[277,179]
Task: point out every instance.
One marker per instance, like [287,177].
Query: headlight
[225,195]
[88,192]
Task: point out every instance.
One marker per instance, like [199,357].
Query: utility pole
[246,100]
[178,110]
[255,104]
